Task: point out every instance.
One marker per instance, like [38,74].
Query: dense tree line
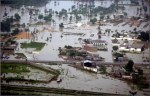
[6,24]
[144,36]
[25,2]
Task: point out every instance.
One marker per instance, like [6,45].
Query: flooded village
[75,47]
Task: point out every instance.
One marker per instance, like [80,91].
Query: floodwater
[76,79]
[50,51]
[72,77]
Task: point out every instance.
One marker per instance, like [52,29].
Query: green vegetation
[103,69]
[18,3]
[118,54]
[63,12]
[15,31]
[115,48]
[17,17]
[71,52]
[48,18]
[93,20]
[37,45]
[11,41]
[68,33]
[68,47]
[129,66]
[40,16]
[14,68]
[8,23]
[21,55]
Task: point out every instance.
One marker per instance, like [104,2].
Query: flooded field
[76,79]
[50,51]
[73,33]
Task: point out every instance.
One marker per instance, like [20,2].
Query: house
[96,44]
[124,47]
[134,47]
[99,44]
[137,47]
[88,65]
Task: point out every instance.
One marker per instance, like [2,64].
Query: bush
[17,17]
[68,47]
[115,48]
[16,31]
[103,69]
[118,54]
[129,66]
[93,20]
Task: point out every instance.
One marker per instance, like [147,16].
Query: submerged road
[73,62]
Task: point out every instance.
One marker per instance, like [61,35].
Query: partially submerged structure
[89,65]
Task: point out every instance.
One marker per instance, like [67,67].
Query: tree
[116,3]
[115,48]
[23,25]
[77,18]
[72,53]
[53,21]
[16,31]
[129,66]
[5,25]
[68,47]
[144,36]
[48,18]
[145,8]
[17,17]
[99,32]
[61,25]
[40,16]
[101,17]
[93,20]
[56,12]
[108,17]
[59,49]
[125,13]
[70,19]
[134,29]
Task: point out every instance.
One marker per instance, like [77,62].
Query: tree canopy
[115,48]
[17,3]
[93,20]
[129,66]
[17,17]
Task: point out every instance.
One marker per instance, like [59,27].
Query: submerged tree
[115,48]
[93,20]
[40,16]
[17,17]
[129,66]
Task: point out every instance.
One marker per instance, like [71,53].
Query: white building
[89,66]
[100,44]
[132,47]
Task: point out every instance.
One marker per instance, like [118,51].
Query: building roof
[124,45]
[137,45]
[87,61]
[98,41]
